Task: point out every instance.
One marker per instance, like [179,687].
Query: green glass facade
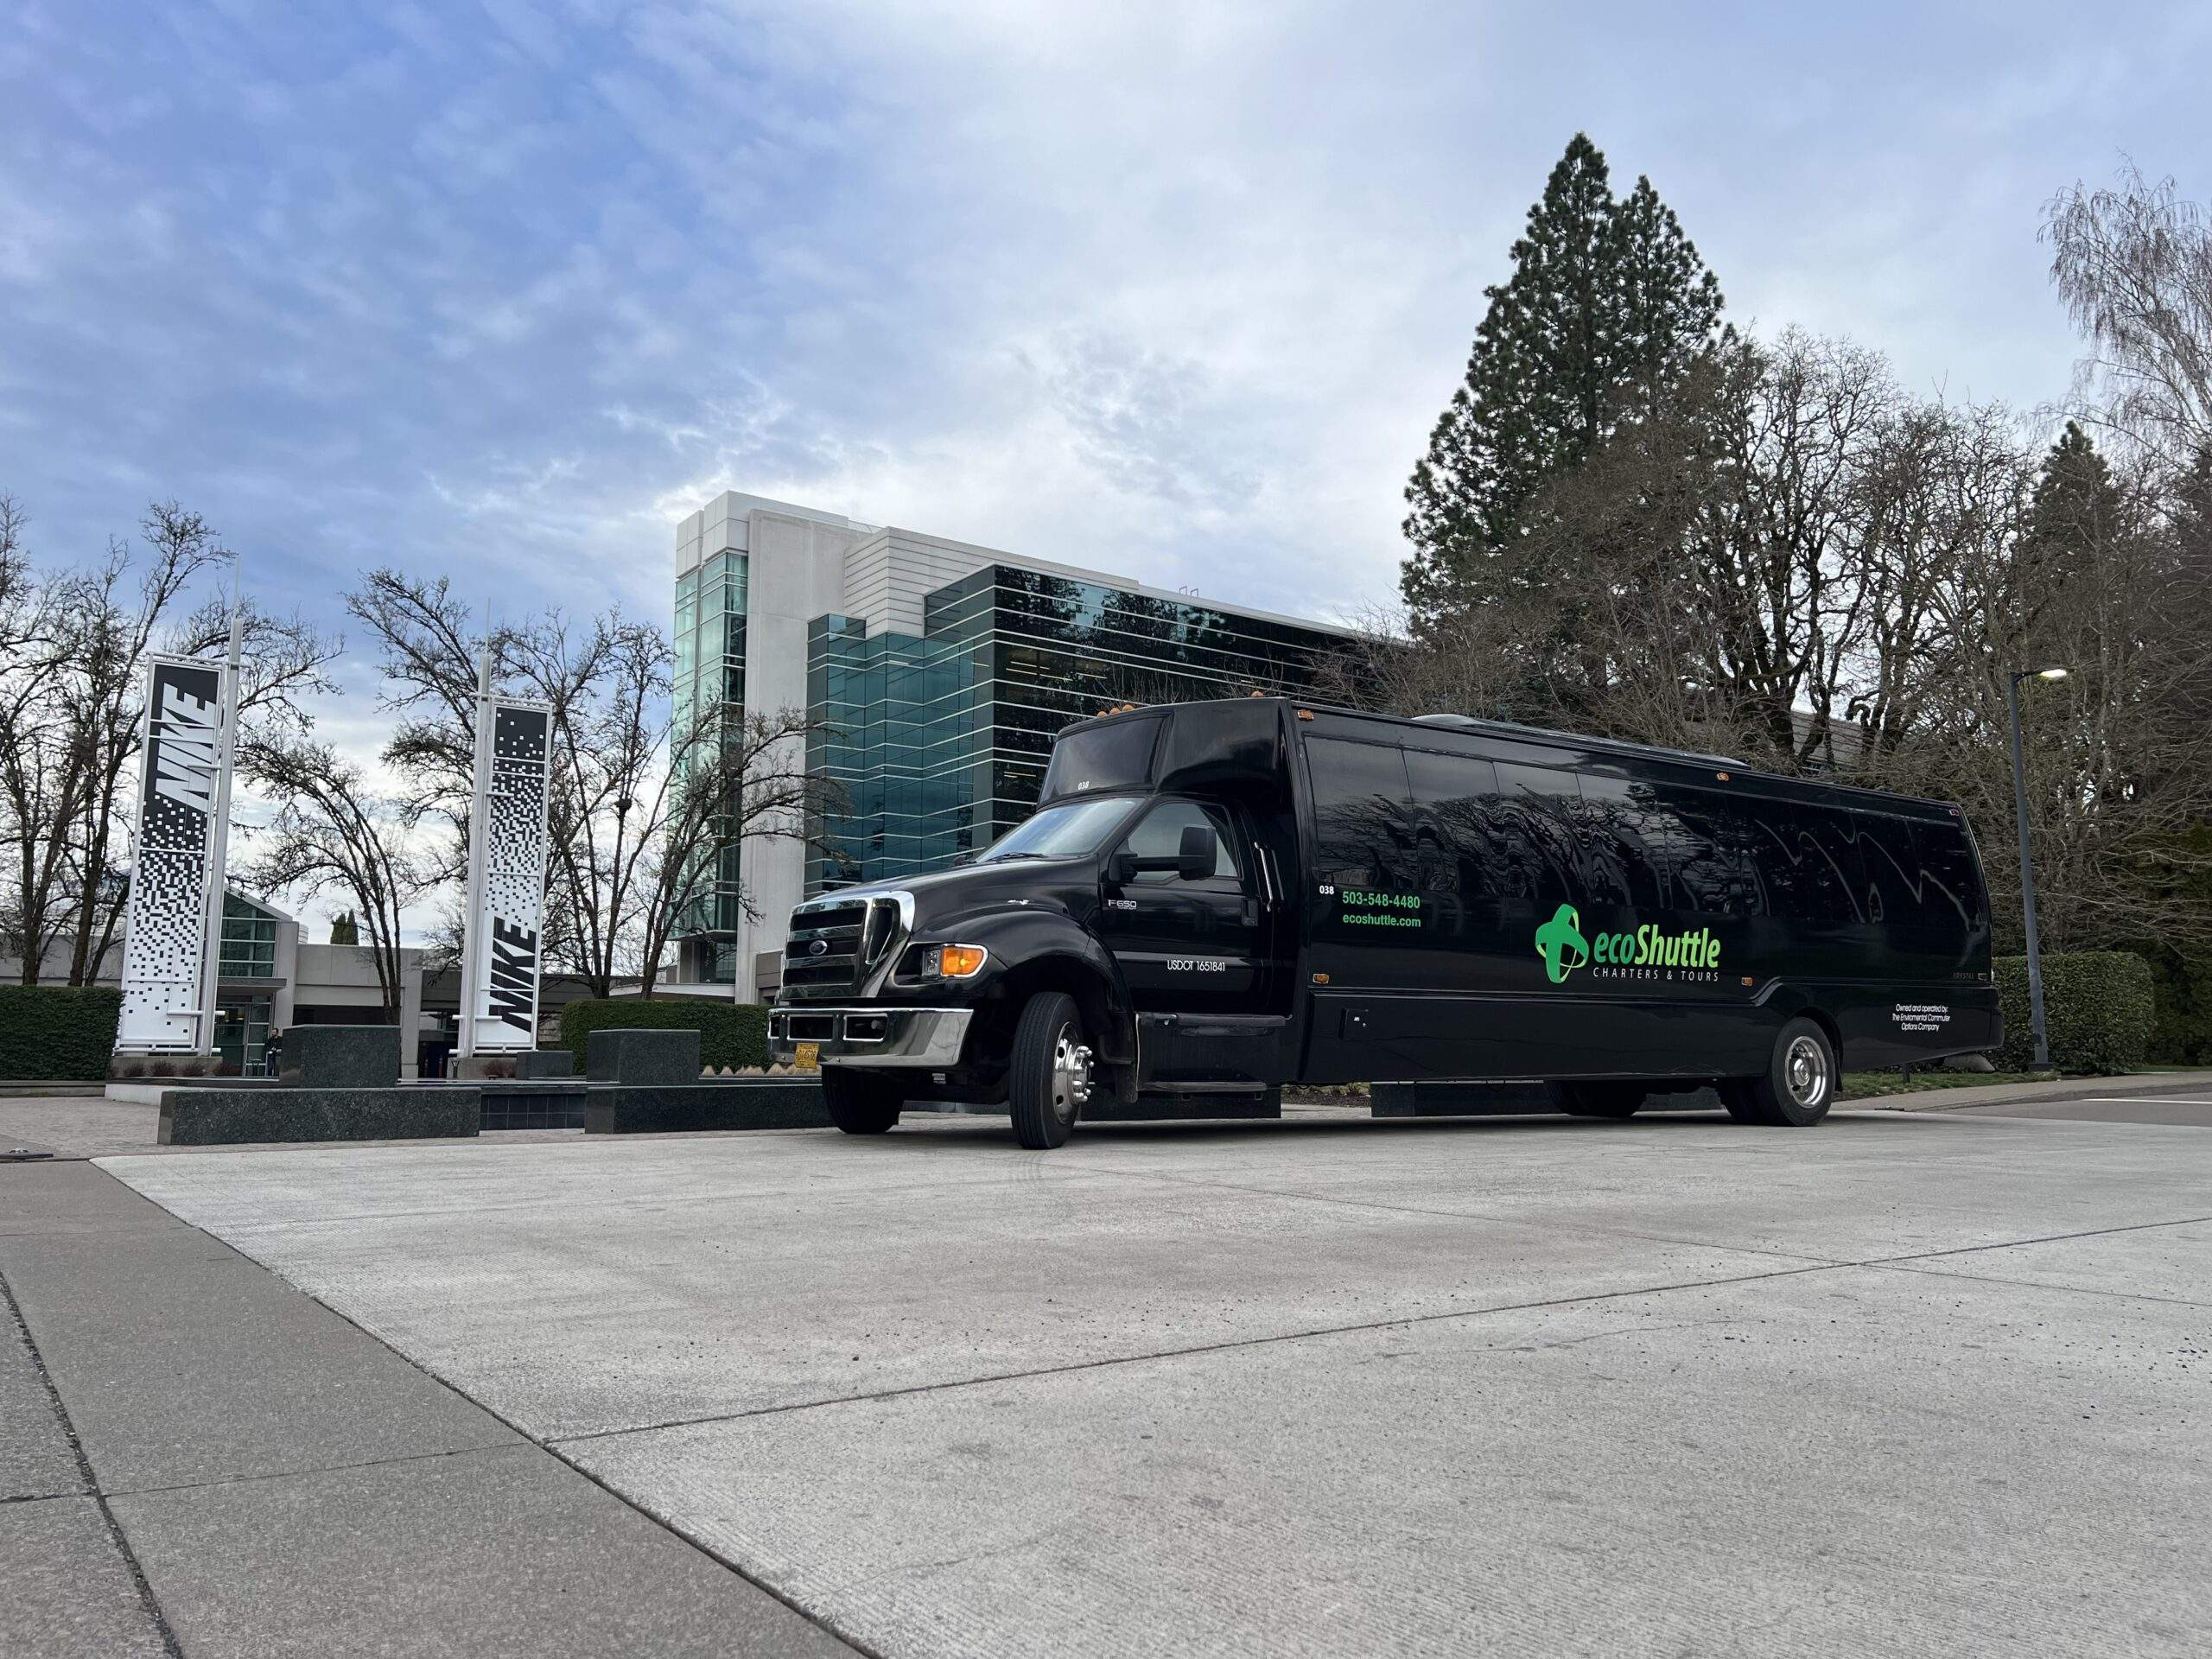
[937,742]
[249,942]
[710,685]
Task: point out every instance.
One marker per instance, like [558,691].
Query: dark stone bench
[227,1117]
[541,1063]
[339,1057]
[642,1059]
[747,1103]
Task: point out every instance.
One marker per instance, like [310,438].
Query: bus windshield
[1073,830]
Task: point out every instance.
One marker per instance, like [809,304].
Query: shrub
[730,1034]
[2097,1005]
[2182,983]
[52,1031]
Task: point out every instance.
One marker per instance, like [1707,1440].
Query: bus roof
[1513,732]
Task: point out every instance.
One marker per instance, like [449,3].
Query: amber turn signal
[961,961]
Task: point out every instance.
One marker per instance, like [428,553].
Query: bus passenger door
[1187,942]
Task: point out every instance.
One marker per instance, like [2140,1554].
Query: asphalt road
[1927,1383]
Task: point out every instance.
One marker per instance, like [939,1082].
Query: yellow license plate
[807,1057]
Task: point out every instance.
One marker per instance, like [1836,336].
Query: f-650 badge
[1197,965]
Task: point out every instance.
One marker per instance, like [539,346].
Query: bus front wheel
[1798,1086]
[858,1103]
[1048,1075]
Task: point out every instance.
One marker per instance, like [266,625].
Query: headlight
[953,961]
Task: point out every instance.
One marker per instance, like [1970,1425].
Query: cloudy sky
[502,289]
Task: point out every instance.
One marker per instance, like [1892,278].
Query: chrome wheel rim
[1070,1074]
[1805,1072]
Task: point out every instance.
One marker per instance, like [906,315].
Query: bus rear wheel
[1048,1076]
[858,1103]
[1799,1085]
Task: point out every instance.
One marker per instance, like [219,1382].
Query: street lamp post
[2042,1061]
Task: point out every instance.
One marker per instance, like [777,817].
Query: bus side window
[1892,878]
[1534,814]
[1797,864]
[1624,842]
[1955,893]
[1361,813]
[1451,794]
[1711,848]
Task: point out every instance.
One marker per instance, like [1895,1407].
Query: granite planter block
[643,1058]
[774,1103]
[534,1103]
[545,1063]
[341,1057]
[225,1117]
[1154,1109]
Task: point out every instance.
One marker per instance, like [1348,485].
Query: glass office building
[936,675]
[937,741]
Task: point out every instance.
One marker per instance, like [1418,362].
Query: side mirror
[1121,868]
[1196,857]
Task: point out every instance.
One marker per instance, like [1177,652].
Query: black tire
[860,1103]
[1799,1086]
[1048,1076]
[1615,1099]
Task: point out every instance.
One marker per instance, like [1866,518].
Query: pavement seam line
[2038,1284]
[541,1444]
[1406,1321]
[1270,1340]
[116,1535]
[319,1468]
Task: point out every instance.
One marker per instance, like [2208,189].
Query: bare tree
[729,781]
[608,691]
[2133,265]
[332,832]
[71,693]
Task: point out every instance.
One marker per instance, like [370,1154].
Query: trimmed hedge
[2097,1004]
[730,1034]
[2182,983]
[50,1032]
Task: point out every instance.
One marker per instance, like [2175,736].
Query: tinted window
[1802,862]
[1453,821]
[1955,890]
[1360,813]
[1892,882]
[1624,841]
[1709,852]
[1536,834]
[1115,756]
[1161,835]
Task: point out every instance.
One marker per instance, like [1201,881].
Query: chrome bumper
[926,1038]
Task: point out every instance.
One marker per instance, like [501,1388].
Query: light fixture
[2051,673]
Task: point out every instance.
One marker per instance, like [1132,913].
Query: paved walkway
[198,1458]
[1925,1382]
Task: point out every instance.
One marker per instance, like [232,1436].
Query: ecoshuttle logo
[1561,943]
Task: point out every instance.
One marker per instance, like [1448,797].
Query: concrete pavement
[198,1458]
[1924,1383]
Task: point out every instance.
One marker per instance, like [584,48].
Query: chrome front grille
[836,944]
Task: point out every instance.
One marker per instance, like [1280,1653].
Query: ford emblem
[819,948]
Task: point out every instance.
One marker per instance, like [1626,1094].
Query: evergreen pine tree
[2076,505]
[343,929]
[1607,300]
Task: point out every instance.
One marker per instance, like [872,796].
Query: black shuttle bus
[1216,897]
